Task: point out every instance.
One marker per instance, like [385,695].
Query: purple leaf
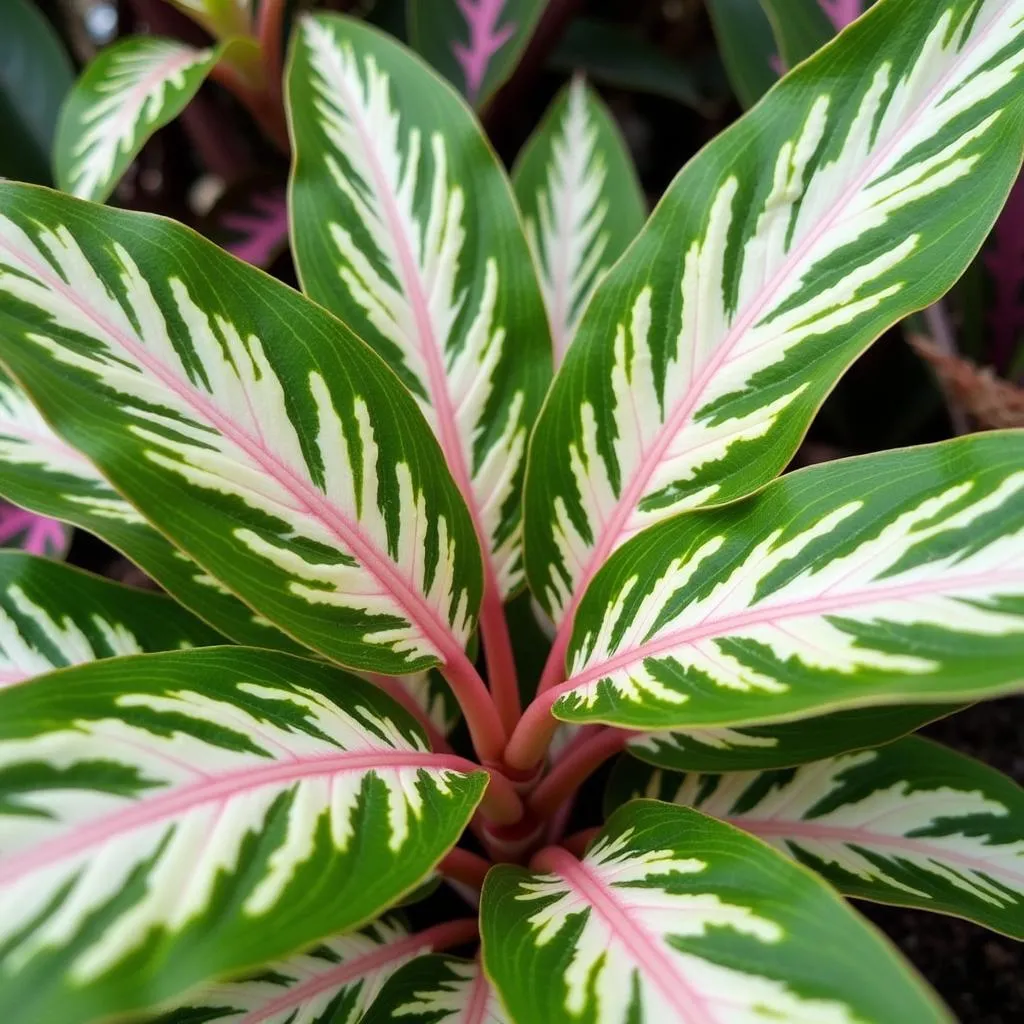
[485,40]
[37,535]
[842,12]
[1004,260]
[259,227]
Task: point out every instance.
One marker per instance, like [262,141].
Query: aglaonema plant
[215,803]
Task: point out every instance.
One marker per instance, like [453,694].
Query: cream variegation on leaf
[404,225]
[672,916]
[128,91]
[581,202]
[779,253]
[211,798]
[888,578]
[910,823]
[293,465]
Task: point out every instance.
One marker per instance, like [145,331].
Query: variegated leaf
[52,616]
[911,823]
[38,535]
[885,579]
[838,205]
[41,472]
[334,983]
[581,201]
[405,226]
[475,44]
[438,990]
[757,747]
[673,916]
[176,818]
[249,425]
[130,89]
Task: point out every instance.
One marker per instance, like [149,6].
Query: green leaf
[46,475]
[581,201]
[221,18]
[673,916]
[911,823]
[405,226]
[856,192]
[801,27]
[52,615]
[334,983]
[251,427]
[35,76]
[174,818]
[746,45]
[438,990]
[127,92]
[475,44]
[757,747]
[885,579]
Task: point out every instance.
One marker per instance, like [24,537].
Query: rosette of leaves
[214,801]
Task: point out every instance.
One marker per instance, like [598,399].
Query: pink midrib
[613,532]
[771,615]
[419,612]
[484,42]
[810,830]
[343,974]
[479,997]
[179,801]
[645,949]
[437,379]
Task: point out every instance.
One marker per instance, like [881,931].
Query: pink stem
[400,695]
[530,738]
[465,867]
[501,664]
[578,842]
[573,769]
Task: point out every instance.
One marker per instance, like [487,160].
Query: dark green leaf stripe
[251,427]
[855,193]
[43,473]
[126,93]
[887,579]
[405,226]
[581,201]
[911,823]
[52,616]
[757,747]
[673,916]
[169,819]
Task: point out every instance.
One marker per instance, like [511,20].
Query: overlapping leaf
[252,428]
[438,990]
[405,226]
[911,823]
[38,535]
[130,89]
[475,44]
[758,747]
[52,616]
[174,818]
[888,578]
[782,250]
[673,916]
[335,983]
[746,46]
[43,473]
[581,201]
[222,18]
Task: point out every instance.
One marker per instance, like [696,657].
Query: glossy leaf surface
[178,817]
[581,202]
[52,616]
[438,990]
[673,916]
[405,226]
[844,201]
[911,823]
[127,92]
[885,579]
[475,44]
[42,472]
[251,427]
